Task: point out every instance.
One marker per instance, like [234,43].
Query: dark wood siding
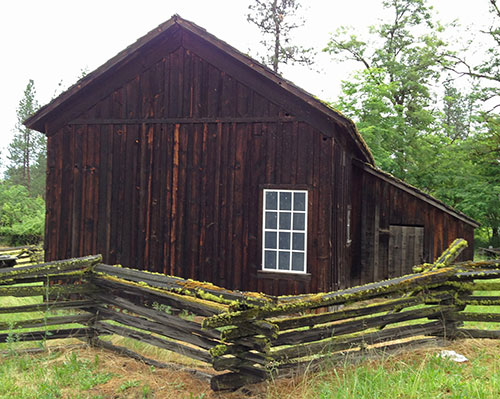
[166,174]
[380,205]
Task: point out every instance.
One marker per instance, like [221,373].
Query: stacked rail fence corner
[249,337]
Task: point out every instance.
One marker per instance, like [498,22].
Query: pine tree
[26,152]
[276,19]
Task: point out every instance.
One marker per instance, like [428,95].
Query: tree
[392,97]
[276,19]
[26,152]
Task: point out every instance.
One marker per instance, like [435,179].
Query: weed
[128,384]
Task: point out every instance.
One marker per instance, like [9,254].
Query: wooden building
[182,155]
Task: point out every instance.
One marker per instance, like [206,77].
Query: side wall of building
[381,207]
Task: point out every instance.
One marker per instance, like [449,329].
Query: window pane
[297,261]
[299,201]
[271,220]
[271,238]
[271,200]
[298,241]
[270,260]
[299,221]
[284,261]
[285,220]
[284,240]
[286,201]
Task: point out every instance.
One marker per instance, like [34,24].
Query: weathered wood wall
[380,205]
[167,172]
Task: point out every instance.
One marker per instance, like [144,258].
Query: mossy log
[478,300]
[258,327]
[450,254]
[46,335]
[335,344]
[186,286]
[473,286]
[48,321]
[290,305]
[50,305]
[106,328]
[165,330]
[370,309]
[52,291]
[156,315]
[44,269]
[470,275]
[351,326]
[483,264]
[197,306]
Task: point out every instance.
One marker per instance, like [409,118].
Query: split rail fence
[246,336]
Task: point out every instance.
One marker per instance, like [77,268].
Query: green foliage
[27,151]
[391,98]
[276,19]
[21,216]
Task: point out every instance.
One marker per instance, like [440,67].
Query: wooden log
[474,333]
[43,269]
[288,305]
[49,305]
[473,286]
[194,305]
[201,375]
[349,327]
[450,254]
[44,349]
[233,381]
[478,300]
[290,369]
[178,284]
[46,291]
[475,275]
[471,316]
[484,264]
[48,321]
[154,327]
[106,328]
[314,319]
[45,335]
[155,315]
[258,327]
[342,343]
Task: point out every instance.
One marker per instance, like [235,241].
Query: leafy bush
[22,217]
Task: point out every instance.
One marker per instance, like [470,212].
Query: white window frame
[291,230]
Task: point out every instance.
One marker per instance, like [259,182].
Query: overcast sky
[51,41]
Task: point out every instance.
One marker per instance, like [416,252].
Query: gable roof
[64,102]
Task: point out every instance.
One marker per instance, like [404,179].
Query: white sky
[53,40]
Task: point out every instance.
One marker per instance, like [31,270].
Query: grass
[51,376]
[420,374]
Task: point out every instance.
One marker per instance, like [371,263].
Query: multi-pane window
[284,242]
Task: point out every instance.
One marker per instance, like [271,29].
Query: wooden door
[406,249]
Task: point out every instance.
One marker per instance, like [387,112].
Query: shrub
[22,217]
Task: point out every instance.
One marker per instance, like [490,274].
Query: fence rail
[250,336]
